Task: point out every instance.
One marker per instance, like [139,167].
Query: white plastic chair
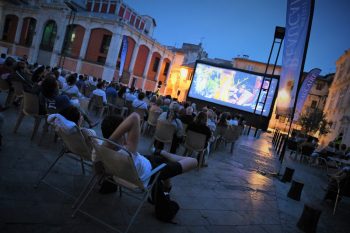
[76,144]
[120,166]
[30,108]
[195,142]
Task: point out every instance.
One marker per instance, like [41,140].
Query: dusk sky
[228,28]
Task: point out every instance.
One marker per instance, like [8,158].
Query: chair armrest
[155,170]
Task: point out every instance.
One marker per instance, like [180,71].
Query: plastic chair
[76,144]
[18,89]
[115,105]
[164,132]
[195,142]
[96,102]
[30,108]
[152,120]
[230,135]
[88,90]
[120,166]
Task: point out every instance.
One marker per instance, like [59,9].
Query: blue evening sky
[229,28]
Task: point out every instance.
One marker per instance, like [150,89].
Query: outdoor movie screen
[232,88]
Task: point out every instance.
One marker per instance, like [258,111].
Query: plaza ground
[227,196]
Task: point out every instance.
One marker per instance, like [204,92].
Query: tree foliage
[314,121]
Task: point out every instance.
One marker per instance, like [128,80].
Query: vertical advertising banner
[304,91]
[123,55]
[298,23]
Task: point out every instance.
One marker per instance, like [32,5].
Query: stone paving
[227,196]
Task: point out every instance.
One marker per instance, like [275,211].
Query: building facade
[87,36]
[337,107]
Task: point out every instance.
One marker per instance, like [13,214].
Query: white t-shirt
[140,104]
[143,167]
[62,81]
[72,91]
[129,97]
[102,93]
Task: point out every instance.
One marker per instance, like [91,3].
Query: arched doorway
[49,36]
[27,32]
[47,43]
[10,28]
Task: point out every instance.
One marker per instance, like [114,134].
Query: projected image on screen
[232,88]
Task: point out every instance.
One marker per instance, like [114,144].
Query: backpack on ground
[165,208]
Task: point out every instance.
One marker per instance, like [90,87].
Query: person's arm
[104,97]
[131,126]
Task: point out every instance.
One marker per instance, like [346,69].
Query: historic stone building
[337,107]
[86,36]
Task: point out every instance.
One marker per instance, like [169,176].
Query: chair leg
[83,191]
[51,166]
[36,126]
[137,211]
[232,146]
[45,130]
[201,158]
[84,197]
[19,121]
[336,201]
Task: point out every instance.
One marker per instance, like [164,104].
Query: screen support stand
[277,39]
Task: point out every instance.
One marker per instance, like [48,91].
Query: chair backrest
[119,164]
[164,131]
[89,89]
[30,104]
[195,141]
[128,104]
[120,102]
[76,143]
[153,118]
[231,133]
[184,126]
[141,112]
[111,100]
[97,101]
[18,88]
[219,131]
[4,86]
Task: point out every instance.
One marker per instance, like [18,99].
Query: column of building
[34,50]
[2,18]
[168,75]
[145,71]
[57,48]
[18,34]
[159,71]
[133,61]
[83,49]
[112,55]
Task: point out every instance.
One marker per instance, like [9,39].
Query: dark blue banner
[294,52]
[304,91]
[123,55]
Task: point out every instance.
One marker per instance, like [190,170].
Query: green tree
[313,122]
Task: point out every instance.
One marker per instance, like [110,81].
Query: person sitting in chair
[127,133]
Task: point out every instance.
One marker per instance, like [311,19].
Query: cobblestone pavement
[230,195]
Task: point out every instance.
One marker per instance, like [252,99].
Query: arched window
[10,27]
[27,33]
[49,36]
